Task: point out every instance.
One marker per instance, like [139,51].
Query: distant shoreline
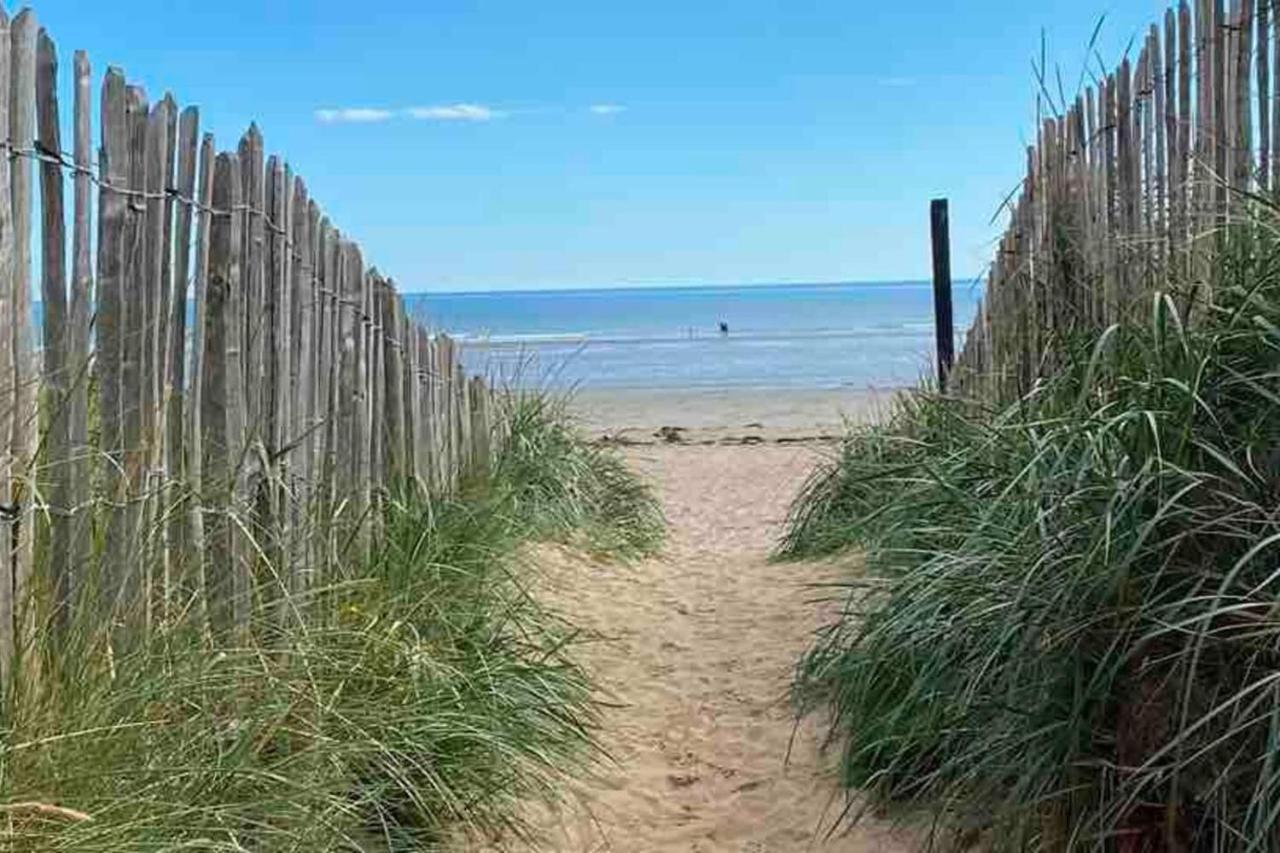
[830,336]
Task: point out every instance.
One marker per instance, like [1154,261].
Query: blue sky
[502,145]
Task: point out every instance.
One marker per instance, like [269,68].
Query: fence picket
[1263,72]
[9,491]
[151,237]
[176,377]
[81,312]
[26,422]
[133,346]
[53,292]
[196,447]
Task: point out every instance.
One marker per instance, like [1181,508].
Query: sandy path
[696,651]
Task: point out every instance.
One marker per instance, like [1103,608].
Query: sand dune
[694,651]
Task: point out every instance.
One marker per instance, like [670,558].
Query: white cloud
[359,115]
[455,112]
[607,109]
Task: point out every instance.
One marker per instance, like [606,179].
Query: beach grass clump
[849,498]
[414,700]
[1066,631]
[562,486]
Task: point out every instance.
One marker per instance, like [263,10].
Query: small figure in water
[724,327]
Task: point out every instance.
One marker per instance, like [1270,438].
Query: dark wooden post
[942,290]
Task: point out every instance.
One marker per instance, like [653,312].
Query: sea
[791,336]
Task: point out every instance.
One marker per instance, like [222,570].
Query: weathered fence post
[54,294]
[81,312]
[222,399]
[195,449]
[26,424]
[8,406]
[942,289]
[176,346]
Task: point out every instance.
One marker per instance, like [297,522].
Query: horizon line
[572,288]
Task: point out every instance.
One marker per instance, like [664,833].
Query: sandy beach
[698,416]
[694,649]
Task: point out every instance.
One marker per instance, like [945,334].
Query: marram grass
[416,702]
[1066,634]
[562,486]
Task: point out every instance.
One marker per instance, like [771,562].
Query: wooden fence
[151,471]
[1128,187]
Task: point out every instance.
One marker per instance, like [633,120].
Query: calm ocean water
[784,336]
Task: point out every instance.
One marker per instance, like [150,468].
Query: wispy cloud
[455,112]
[607,109]
[355,115]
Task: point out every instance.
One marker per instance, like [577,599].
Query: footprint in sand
[706,638]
